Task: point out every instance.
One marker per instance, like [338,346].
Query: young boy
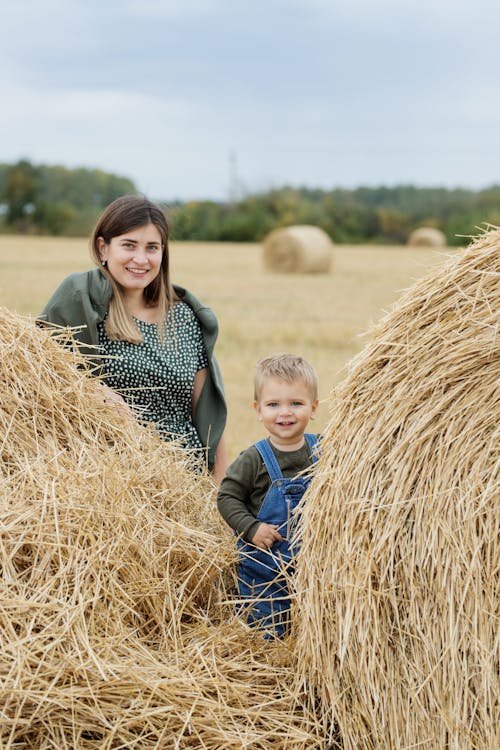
[261,489]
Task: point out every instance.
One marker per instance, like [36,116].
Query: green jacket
[82,299]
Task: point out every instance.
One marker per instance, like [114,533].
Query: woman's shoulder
[205,314]
[185,320]
[84,288]
[182,311]
[92,282]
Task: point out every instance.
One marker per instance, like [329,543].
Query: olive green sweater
[81,302]
[247,482]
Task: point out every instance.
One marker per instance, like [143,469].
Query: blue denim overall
[263,574]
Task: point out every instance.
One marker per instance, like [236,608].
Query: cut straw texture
[297,249]
[397,612]
[115,573]
[427,237]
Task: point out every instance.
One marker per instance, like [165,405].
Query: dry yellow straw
[398,590]
[115,567]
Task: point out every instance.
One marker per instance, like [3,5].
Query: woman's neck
[136,306]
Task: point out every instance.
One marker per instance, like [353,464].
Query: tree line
[55,200]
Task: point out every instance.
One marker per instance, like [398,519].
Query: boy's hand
[266,535]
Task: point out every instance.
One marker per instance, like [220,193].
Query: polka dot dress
[157,378]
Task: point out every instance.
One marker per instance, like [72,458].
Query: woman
[155,340]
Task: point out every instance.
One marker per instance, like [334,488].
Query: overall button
[294,489]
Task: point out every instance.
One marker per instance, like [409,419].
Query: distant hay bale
[114,563]
[427,237]
[297,249]
[397,577]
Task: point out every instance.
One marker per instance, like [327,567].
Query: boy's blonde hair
[287,367]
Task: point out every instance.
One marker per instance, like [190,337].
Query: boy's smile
[285,410]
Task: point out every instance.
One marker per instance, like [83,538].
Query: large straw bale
[427,237]
[114,630]
[397,577]
[297,249]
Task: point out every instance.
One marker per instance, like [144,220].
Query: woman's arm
[220,466]
[199,382]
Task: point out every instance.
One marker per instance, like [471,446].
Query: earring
[104,263]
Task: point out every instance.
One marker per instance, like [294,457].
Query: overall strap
[312,442]
[269,459]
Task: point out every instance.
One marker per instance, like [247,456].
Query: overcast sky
[208,98]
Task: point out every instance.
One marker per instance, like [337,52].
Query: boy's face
[285,410]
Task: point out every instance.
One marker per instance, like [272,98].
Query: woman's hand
[113,399]
[266,535]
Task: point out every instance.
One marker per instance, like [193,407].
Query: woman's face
[133,258]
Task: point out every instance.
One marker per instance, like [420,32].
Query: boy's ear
[314,408]
[257,410]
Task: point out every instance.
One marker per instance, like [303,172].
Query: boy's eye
[297,403]
[272,403]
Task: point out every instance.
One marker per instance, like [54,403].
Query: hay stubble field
[321,316]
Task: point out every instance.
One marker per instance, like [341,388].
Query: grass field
[321,317]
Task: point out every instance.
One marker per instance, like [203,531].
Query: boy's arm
[233,497]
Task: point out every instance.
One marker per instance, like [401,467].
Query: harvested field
[397,587]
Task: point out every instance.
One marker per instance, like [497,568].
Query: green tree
[54,199]
[20,194]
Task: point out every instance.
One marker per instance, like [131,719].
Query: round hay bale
[397,576]
[427,237]
[113,562]
[297,249]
